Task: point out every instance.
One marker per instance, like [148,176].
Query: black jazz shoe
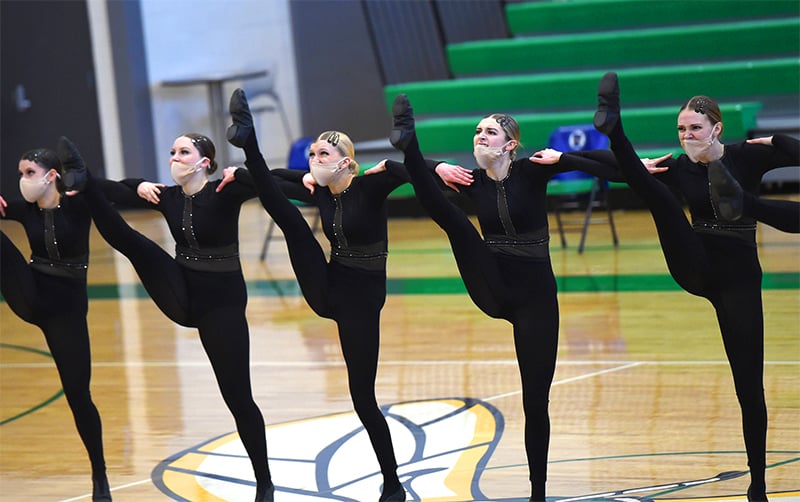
[607,114]
[74,168]
[403,123]
[242,126]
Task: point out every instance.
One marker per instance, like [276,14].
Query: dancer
[712,257]
[50,291]
[351,288]
[507,272]
[203,286]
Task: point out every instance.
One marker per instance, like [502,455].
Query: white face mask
[487,157]
[182,173]
[328,173]
[33,190]
[700,149]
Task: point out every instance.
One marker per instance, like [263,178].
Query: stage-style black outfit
[351,288]
[50,292]
[201,287]
[718,260]
[507,271]
[781,214]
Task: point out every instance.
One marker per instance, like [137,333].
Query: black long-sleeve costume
[508,273]
[351,288]
[50,292]
[718,260]
[202,287]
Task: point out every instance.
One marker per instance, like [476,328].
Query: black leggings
[351,297]
[731,281]
[58,306]
[212,302]
[521,291]
[781,214]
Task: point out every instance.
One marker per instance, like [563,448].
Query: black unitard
[351,288]
[781,214]
[717,260]
[50,292]
[508,273]
[202,287]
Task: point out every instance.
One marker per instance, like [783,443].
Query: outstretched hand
[547,157]
[377,168]
[149,191]
[764,140]
[453,175]
[228,175]
[3,205]
[652,165]
[309,182]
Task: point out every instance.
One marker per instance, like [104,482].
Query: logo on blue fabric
[577,139]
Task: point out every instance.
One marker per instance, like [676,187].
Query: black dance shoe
[242,126]
[74,172]
[100,489]
[607,114]
[268,495]
[727,195]
[403,123]
[398,495]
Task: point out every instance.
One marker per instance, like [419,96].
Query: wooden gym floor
[642,405]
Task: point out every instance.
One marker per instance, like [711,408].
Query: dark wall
[47,83]
[347,50]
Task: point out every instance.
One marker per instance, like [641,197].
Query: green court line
[610,283]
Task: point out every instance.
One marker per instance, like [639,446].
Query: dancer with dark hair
[711,257]
[202,286]
[507,272]
[50,291]
[351,288]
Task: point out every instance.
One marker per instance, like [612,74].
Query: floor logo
[441,446]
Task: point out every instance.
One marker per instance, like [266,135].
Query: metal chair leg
[588,218]
[267,238]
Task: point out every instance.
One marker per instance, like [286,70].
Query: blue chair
[298,159]
[576,189]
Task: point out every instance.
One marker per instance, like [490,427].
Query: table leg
[218,123]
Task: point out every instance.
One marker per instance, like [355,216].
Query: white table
[218,112]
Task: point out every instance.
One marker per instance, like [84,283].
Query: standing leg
[683,250]
[71,353]
[535,324]
[226,340]
[476,263]
[358,319]
[740,314]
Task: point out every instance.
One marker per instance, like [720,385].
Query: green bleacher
[537,18]
[628,47]
[742,53]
